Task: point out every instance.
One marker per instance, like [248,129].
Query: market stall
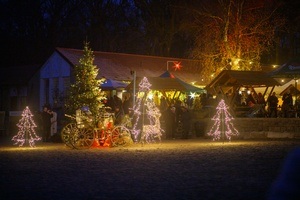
[236,86]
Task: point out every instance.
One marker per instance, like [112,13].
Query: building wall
[257,128]
[54,78]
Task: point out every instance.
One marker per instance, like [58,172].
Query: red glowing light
[177,65]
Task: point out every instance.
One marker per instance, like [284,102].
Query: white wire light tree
[26,131]
[151,132]
[223,125]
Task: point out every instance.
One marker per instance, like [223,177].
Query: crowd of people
[270,107]
[176,115]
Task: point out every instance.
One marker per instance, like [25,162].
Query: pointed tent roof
[188,86]
[167,81]
[292,89]
[167,74]
[290,69]
[159,83]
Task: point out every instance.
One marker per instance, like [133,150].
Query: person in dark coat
[126,105]
[119,114]
[185,120]
[170,120]
[46,118]
[272,105]
[287,103]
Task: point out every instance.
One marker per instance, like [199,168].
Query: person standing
[185,120]
[53,124]
[46,118]
[119,114]
[272,104]
[170,121]
[287,103]
[126,105]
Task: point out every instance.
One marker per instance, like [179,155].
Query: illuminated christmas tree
[26,131]
[223,125]
[152,131]
[86,89]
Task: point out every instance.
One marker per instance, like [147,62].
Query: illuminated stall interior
[230,84]
[171,88]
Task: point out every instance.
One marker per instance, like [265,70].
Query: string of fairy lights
[223,123]
[153,130]
[26,131]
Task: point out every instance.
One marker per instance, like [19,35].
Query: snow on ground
[175,169]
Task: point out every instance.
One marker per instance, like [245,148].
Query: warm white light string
[26,131]
[153,114]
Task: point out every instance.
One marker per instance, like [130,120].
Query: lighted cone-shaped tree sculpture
[26,131]
[223,125]
[151,132]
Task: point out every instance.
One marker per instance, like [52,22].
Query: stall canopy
[187,86]
[234,78]
[113,85]
[159,83]
[291,69]
[229,82]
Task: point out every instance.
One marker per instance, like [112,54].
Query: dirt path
[176,169]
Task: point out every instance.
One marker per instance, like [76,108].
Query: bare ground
[175,169]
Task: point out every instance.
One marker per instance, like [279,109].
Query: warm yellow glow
[236,61]
[150,96]
[282,80]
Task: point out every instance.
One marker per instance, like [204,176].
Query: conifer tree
[85,91]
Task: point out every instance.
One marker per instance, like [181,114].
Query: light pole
[133,73]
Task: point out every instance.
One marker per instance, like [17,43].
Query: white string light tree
[223,125]
[26,131]
[152,131]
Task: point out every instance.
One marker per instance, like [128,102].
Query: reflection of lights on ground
[43,147]
[171,145]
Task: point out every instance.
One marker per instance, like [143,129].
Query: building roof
[117,66]
[243,79]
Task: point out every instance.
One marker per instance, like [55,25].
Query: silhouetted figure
[46,117]
[185,120]
[170,120]
[272,105]
[126,105]
[287,103]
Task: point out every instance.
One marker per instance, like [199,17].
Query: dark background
[30,30]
